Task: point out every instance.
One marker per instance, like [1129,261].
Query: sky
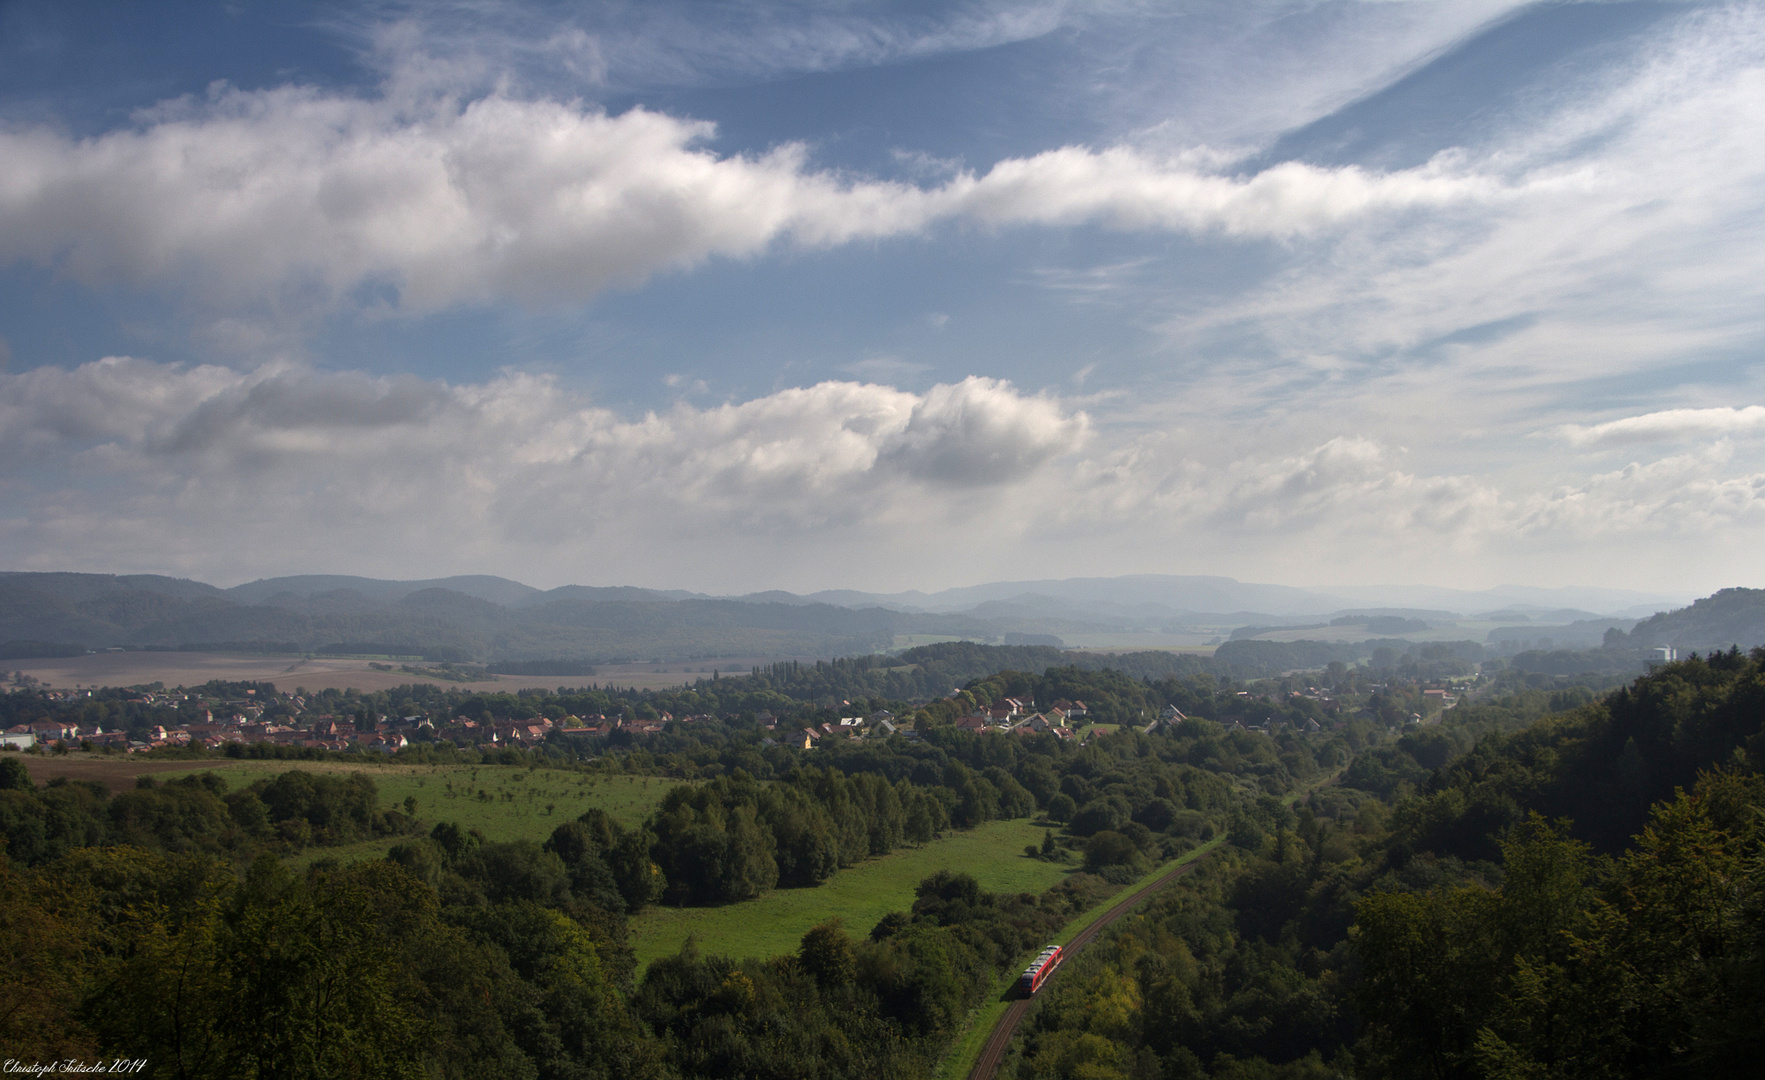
[732,296]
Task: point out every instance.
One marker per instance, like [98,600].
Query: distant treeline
[560,668]
[39,650]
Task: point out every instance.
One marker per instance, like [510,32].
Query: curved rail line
[994,1052]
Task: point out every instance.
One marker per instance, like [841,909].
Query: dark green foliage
[194,813]
[1460,933]
[608,864]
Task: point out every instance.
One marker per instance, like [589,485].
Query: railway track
[994,1051]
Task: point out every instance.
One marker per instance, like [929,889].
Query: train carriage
[1037,973]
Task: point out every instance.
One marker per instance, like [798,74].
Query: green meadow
[504,802]
[774,924]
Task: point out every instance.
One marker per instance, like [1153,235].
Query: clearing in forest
[774,924]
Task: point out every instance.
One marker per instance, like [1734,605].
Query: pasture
[774,924]
[504,802]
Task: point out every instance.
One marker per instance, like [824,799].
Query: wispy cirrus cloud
[624,46]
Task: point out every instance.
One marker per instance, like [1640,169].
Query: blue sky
[733,296]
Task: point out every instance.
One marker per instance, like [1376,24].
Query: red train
[1037,973]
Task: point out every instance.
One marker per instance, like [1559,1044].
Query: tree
[826,955]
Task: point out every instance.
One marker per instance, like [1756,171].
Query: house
[976,722]
[1172,714]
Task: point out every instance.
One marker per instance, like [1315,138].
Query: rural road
[994,1051]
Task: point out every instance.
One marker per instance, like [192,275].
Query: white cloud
[125,464]
[1669,425]
[293,197]
[1628,242]
[658,43]
[279,465]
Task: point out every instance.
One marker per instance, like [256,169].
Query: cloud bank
[293,196]
[113,464]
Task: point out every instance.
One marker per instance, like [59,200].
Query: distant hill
[1170,594]
[489,618]
[305,586]
[1581,634]
[1728,618]
[483,618]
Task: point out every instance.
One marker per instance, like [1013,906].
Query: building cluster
[215,727]
[1018,716]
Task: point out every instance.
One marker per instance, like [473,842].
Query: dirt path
[994,1051]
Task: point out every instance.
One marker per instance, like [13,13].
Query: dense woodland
[1547,882]
[1579,897]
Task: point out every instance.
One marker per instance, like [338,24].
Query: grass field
[774,924]
[517,803]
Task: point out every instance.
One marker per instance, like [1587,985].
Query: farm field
[517,803]
[115,771]
[774,924]
[1190,641]
[289,672]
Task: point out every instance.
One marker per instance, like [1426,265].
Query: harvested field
[115,771]
[341,673]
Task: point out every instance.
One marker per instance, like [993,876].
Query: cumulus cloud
[1668,425]
[296,453]
[127,464]
[292,196]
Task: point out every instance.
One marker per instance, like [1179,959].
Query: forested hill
[1581,897]
[39,612]
[1727,618]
